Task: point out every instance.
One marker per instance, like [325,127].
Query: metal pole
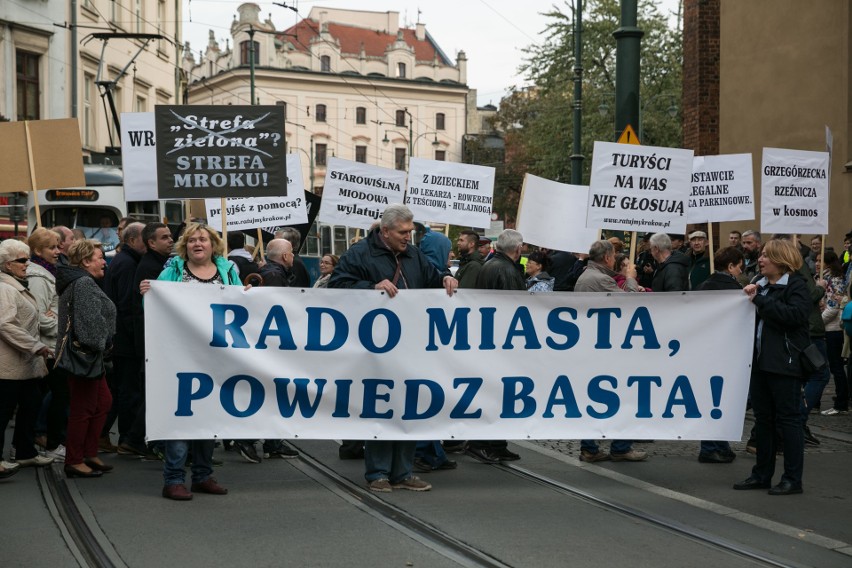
[628,39]
[577,156]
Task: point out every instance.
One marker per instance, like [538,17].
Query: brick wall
[701,56]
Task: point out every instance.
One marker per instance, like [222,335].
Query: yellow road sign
[629,137]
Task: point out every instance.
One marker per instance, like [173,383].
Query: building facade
[354,84]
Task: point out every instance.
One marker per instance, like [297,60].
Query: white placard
[794,192]
[639,188]
[553,215]
[356,194]
[356,364]
[722,189]
[253,212]
[139,156]
[452,193]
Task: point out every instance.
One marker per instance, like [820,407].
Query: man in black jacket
[470,260]
[672,273]
[301,278]
[238,254]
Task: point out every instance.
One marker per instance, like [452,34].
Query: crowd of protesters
[55,288]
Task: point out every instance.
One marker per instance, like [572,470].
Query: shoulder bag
[75,358]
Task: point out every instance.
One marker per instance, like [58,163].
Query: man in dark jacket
[501,272]
[563,267]
[238,254]
[279,262]
[470,260]
[672,273]
[386,261]
[699,259]
[301,278]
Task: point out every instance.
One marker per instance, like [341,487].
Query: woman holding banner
[783,305]
[200,260]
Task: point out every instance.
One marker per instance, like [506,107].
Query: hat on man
[697,235]
[483,241]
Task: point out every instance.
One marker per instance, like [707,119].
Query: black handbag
[811,359]
[75,358]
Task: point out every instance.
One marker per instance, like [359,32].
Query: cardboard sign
[139,156]
[553,215]
[220,151]
[356,194]
[794,192]
[56,150]
[722,189]
[447,192]
[639,188]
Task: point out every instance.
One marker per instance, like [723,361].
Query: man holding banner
[385,261]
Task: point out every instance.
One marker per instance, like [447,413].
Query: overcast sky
[492,33]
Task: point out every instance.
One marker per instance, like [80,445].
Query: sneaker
[412,483]
[380,486]
[57,453]
[589,457]
[504,455]
[282,450]
[247,450]
[483,455]
[810,438]
[106,446]
[454,448]
[38,461]
[834,412]
[631,456]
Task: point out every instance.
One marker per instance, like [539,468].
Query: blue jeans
[431,452]
[176,452]
[388,460]
[615,447]
[816,382]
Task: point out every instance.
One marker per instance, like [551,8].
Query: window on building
[26,65]
[114,10]
[441,155]
[360,115]
[400,70]
[320,154]
[439,121]
[320,114]
[400,118]
[325,64]
[138,16]
[141,104]
[361,154]
[245,52]
[161,22]
[399,158]
[88,118]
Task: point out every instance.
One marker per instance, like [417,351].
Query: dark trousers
[90,403]
[776,401]
[57,408]
[128,390]
[136,434]
[834,344]
[27,397]
[114,387]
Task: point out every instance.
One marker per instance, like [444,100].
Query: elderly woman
[326,267]
[88,315]
[22,355]
[783,305]
[538,280]
[200,260]
[41,275]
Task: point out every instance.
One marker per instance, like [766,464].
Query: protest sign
[139,156]
[447,192]
[639,188]
[356,194]
[722,189]
[356,364]
[220,151]
[254,212]
[553,215]
[41,154]
[794,192]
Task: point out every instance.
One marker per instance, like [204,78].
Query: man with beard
[751,250]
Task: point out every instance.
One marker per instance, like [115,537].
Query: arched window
[245,52]
[439,121]
[320,117]
[361,115]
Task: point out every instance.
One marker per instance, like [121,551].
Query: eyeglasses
[20,260]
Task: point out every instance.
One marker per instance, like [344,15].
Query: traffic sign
[629,137]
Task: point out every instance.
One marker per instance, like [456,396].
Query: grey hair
[751,233]
[132,231]
[275,248]
[10,249]
[395,214]
[290,234]
[600,250]
[661,241]
[509,240]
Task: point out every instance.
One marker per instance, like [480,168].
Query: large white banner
[139,156]
[722,189]
[639,188]
[794,192]
[356,194]
[448,192]
[252,212]
[328,364]
[553,215]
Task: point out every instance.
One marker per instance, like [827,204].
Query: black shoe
[246,449]
[481,454]
[751,483]
[281,450]
[503,454]
[785,488]
[422,466]
[448,464]
[715,457]
[348,455]
[810,438]
[454,447]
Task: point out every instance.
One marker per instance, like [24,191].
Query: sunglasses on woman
[21,260]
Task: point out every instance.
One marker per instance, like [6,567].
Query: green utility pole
[628,39]
[577,156]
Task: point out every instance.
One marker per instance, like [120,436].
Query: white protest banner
[252,212]
[139,156]
[722,189]
[553,215]
[328,364]
[447,192]
[639,188]
[794,192]
[356,194]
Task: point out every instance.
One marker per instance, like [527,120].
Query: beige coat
[19,332]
